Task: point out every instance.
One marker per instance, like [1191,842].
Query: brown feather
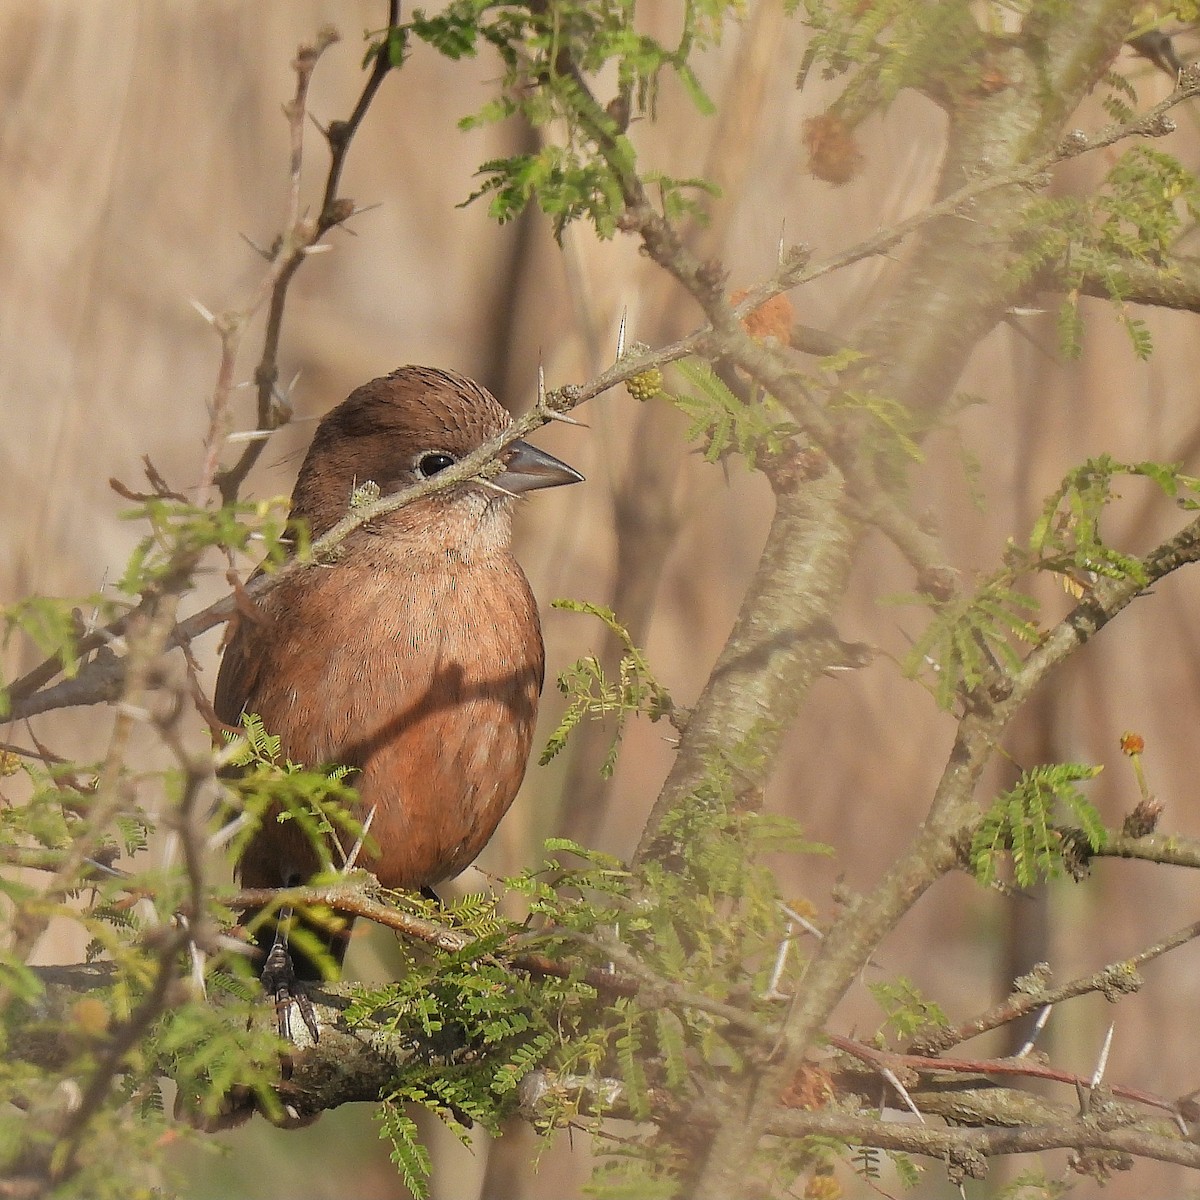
[416,657]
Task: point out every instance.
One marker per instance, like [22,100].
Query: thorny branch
[98,679]
[45,1163]
[147,639]
[1033,992]
[966,1151]
[842,955]
[625,975]
[301,237]
[293,244]
[723,335]
[108,677]
[1026,1068]
[378,1055]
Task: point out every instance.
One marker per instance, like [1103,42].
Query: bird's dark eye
[432,463]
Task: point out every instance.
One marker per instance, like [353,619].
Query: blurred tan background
[138,140]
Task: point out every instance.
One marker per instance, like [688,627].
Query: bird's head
[406,427]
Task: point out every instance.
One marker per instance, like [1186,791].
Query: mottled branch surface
[952,281]
[952,291]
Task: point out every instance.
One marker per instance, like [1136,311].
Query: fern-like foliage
[52,625]
[1133,219]
[906,1011]
[890,430]
[322,804]
[270,787]
[629,1174]
[866,1160]
[973,639]
[1020,824]
[881,49]
[703,917]
[1034,1185]
[408,1152]
[908,1172]
[180,533]
[1067,539]
[210,1048]
[478,1029]
[723,423]
[579,175]
[593,694]
[976,637]
[1120,100]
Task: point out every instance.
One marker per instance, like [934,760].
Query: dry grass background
[138,139]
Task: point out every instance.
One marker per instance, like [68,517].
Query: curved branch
[98,679]
[1172,284]
[298,241]
[1168,849]
[1112,981]
[972,1147]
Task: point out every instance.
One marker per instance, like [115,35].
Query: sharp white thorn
[232,945]
[356,849]
[1102,1062]
[104,868]
[803,922]
[198,959]
[621,333]
[204,312]
[135,712]
[781,957]
[227,832]
[1038,1025]
[255,247]
[902,1092]
[93,620]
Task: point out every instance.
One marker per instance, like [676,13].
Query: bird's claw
[280,982]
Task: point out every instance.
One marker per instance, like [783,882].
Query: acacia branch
[300,236]
[292,245]
[848,944]
[785,643]
[1026,1068]
[1174,283]
[723,335]
[966,1151]
[98,679]
[1032,993]
[299,240]
[625,974]
[1167,849]
[365,1063]
[954,289]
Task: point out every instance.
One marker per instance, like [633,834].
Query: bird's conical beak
[527,468]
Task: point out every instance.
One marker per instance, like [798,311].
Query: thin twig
[334,211]
[1116,979]
[99,680]
[231,326]
[1023,1067]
